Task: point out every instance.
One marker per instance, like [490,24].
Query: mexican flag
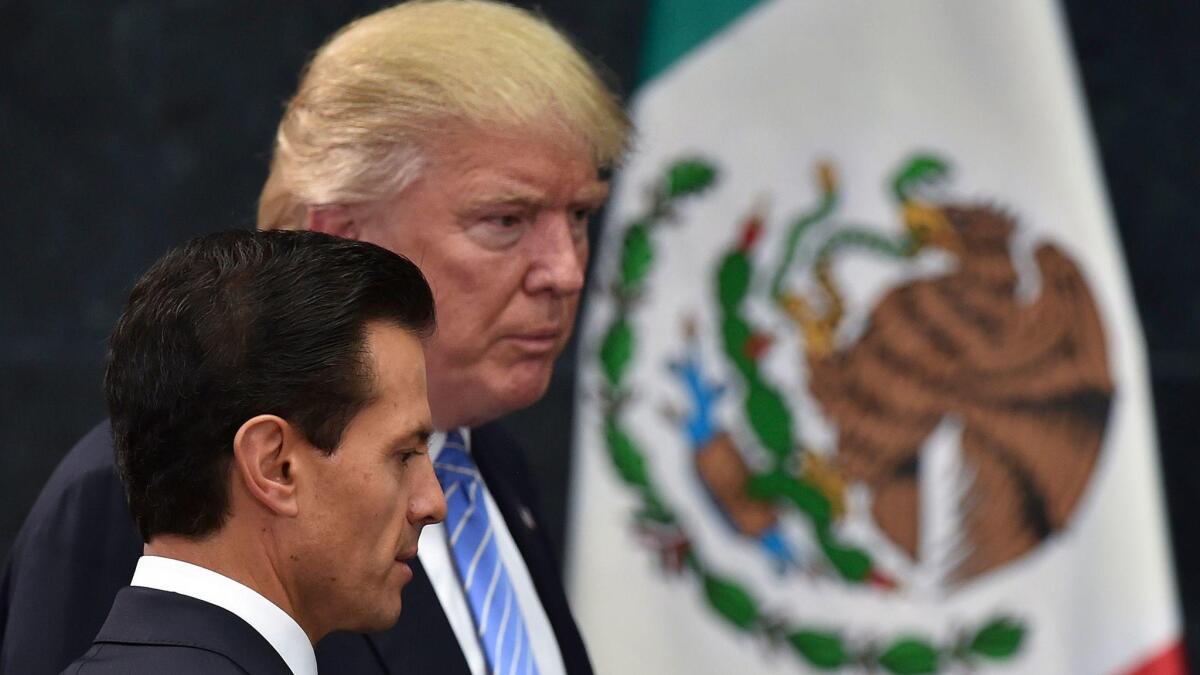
[863,388]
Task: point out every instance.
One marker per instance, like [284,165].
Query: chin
[497,391]
[381,620]
[525,386]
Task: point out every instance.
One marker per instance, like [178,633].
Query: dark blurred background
[127,127]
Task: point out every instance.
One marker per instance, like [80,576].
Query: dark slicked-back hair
[238,324]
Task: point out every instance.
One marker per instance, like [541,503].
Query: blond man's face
[498,224]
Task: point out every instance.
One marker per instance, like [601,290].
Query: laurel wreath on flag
[996,639]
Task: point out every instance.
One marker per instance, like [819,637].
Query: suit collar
[267,619]
[152,617]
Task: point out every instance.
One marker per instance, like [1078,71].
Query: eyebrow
[592,194]
[502,198]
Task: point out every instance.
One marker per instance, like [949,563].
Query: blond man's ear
[334,219]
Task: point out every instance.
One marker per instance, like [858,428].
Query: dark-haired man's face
[363,506]
[498,224]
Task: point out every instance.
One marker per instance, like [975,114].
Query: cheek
[572,309]
[372,529]
[354,504]
[469,312]
[584,250]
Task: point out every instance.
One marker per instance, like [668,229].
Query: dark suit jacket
[149,632]
[79,546]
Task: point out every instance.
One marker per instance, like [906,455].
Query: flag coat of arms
[863,388]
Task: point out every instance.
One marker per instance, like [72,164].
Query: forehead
[397,361]
[515,157]
[399,402]
[397,410]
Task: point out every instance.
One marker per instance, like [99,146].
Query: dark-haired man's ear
[335,219]
[264,461]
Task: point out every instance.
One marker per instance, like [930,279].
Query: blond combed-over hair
[385,86]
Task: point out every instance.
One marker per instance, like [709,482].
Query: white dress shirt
[437,559]
[274,624]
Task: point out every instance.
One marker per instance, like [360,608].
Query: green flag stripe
[675,27]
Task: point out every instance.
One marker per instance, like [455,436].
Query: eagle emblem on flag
[965,406]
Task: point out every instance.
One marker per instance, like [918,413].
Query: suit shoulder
[128,659]
[90,457]
[88,471]
[86,480]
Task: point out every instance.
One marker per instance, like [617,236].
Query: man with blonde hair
[473,138]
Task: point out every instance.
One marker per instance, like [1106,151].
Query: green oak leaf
[637,255]
[733,280]
[731,601]
[617,350]
[999,639]
[736,332]
[770,418]
[852,563]
[823,650]
[689,177]
[625,455]
[910,657]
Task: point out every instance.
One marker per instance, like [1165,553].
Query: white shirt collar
[274,624]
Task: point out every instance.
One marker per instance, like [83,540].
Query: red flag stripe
[1170,661]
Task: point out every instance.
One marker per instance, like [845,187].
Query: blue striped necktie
[489,591]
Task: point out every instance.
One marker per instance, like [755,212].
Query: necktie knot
[454,463]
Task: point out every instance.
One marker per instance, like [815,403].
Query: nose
[557,257]
[428,503]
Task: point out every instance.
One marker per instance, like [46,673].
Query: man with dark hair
[268,407]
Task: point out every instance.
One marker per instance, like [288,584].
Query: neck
[253,567]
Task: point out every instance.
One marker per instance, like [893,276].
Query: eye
[405,455]
[580,218]
[506,220]
[498,228]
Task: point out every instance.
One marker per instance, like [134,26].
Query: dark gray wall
[126,127]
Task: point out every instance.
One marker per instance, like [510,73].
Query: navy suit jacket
[79,546]
[149,632]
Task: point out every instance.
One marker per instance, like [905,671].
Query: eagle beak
[928,225]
